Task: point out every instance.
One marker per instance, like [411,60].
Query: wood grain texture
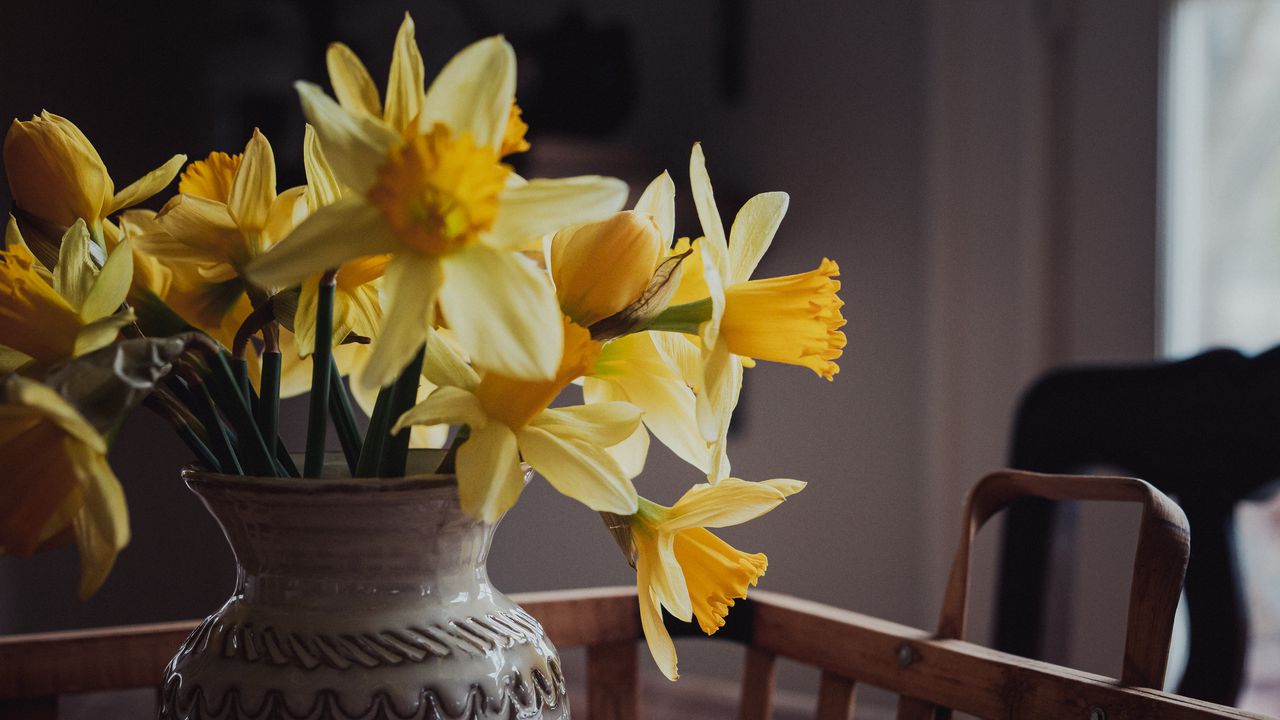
[612,687]
[759,673]
[835,697]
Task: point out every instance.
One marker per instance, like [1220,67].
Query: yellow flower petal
[147,185]
[704,199]
[351,82]
[603,424]
[102,332]
[729,502]
[446,405]
[54,172]
[345,230]
[406,80]
[659,201]
[794,319]
[601,268]
[199,230]
[355,145]
[530,210]
[474,92]
[102,527]
[212,177]
[73,277]
[254,189]
[717,574]
[322,185]
[489,476]
[503,312]
[445,365]
[412,282]
[632,452]
[656,636]
[111,286]
[665,579]
[753,231]
[580,470]
[34,319]
[12,360]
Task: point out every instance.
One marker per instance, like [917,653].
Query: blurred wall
[837,103]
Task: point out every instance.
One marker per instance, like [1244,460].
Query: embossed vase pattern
[359,599]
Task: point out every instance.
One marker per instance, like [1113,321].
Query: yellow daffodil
[47,317]
[510,418]
[56,476]
[227,212]
[600,269]
[793,319]
[56,177]
[429,189]
[683,567]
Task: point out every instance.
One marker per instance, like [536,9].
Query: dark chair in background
[1205,431]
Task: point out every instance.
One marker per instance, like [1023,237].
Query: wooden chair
[1202,430]
[928,672]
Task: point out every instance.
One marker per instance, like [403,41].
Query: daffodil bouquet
[460,298]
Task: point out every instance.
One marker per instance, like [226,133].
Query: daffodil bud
[602,267]
[55,174]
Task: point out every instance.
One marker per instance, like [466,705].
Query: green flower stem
[375,437]
[285,462]
[344,417]
[268,414]
[207,411]
[686,318]
[321,361]
[187,433]
[240,368]
[223,388]
[404,397]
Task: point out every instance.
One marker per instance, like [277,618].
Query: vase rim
[197,475]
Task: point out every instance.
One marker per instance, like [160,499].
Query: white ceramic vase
[359,599]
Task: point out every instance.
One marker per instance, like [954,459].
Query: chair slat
[758,675]
[835,697]
[910,708]
[612,690]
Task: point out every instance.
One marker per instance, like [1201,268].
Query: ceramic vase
[359,599]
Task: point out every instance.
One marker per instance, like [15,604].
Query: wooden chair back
[929,672]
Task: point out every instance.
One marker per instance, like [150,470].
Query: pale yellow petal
[147,185]
[474,92]
[322,185]
[254,188]
[347,229]
[445,365]
[355,145]
[729,502]
[714,251]
[194,230]
[406,81]
[287,212]
[12,360]
[101,528]
[502,311]
[74,274]
[351,82]
[19,390]
[580,470]
[446,405]
[656,636]
[102,332]
[753,231]
[632,452]
[109,290]
[704,198]
[659,200]
[412,282]
[603,424]
[533,209]
[489,476]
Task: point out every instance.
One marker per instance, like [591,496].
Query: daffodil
[683,567]
[47,317]
[56,177]
[227,212]
[510,419]
[599,270]
[428,188]
[56,476]
[794,319]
